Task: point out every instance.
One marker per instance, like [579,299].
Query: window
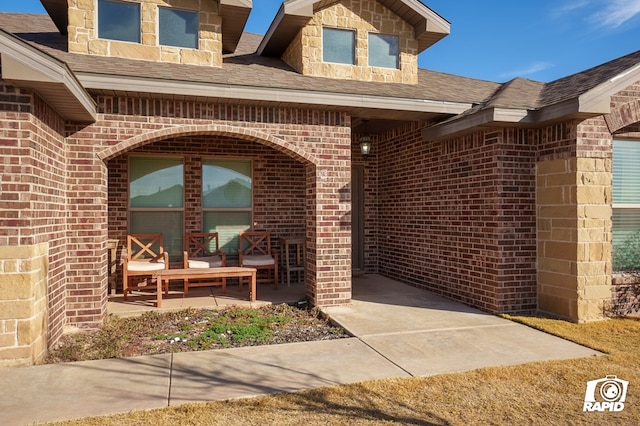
[338,46]
[156,200]
[227,200]
[383,51]
[626,205]
[178,28]
[119,21]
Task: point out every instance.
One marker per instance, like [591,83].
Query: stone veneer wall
[23,304]
[364,16]
[83,34]
[574,220]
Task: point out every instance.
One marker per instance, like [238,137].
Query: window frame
[617,206]
[232,252]
[159,28]
[98,17]
[397,56]
[353,33]
[176,254]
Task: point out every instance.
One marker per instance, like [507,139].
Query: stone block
[595,212]
[554,265]
[76,18]
[7,340]
[86,4]
[561,250]
[135,51]
[560,179]
[592,195]
[557,306]
[99,47]
[30,330]
[15,287]
[16,309]
[601,292]
[552,166]
[591,310]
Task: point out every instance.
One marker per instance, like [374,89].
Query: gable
[305,32]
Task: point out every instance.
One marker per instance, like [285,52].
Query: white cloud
[531,69]
[617,12]
[568,7]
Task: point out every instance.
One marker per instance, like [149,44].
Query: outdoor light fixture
[365,146]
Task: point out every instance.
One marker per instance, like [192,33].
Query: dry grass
[549,393]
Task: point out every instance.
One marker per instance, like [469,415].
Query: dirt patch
[193,330]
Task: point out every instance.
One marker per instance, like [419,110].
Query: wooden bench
[163,276]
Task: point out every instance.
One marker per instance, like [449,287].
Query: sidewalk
[401,332]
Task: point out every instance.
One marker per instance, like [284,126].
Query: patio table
[164,275]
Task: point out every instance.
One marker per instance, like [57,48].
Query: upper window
[338,46]
[178,28]
[383,51]
[119,21]
[626,205]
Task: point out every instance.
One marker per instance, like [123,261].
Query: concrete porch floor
[204,298]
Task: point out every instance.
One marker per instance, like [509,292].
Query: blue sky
[498,40]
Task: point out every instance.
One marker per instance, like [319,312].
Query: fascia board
[265,94]
[42,68]
[488,117]
[247,4]
[290,14]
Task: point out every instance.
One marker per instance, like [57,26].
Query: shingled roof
[245,69]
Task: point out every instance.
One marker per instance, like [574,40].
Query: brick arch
[263,138]
[622,116]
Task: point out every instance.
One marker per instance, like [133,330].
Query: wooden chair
[202,250]
[145,255]
[254,249]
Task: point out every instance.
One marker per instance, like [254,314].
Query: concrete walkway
[400,332]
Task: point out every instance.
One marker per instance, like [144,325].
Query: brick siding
[456,217]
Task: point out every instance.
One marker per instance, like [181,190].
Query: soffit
[429,27]
[27,67]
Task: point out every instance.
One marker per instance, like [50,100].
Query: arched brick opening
[308,161]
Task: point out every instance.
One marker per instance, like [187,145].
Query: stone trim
[23,304]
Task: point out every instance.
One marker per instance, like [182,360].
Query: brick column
[329,232]
[574,237]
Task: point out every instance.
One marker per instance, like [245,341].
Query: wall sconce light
[365,146]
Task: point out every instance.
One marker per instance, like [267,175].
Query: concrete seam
[170,380]
[385,357]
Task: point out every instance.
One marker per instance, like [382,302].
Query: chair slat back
[201,244]
[255,242]
[141,247]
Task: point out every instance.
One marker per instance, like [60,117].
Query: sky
[499,40]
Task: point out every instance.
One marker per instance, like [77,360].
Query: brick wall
[33,206]
[278,185]
[456,216]
[291,144]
